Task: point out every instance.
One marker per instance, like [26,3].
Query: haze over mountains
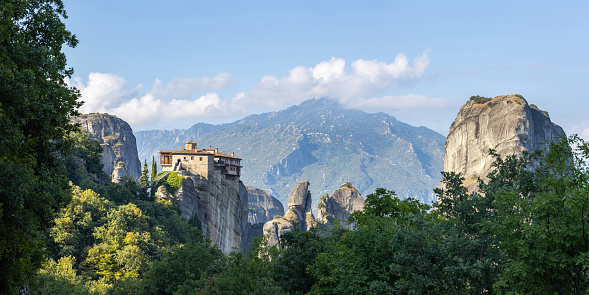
[323,143]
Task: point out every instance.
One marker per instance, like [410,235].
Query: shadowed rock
[262,207]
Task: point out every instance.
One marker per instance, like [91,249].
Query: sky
[169,65]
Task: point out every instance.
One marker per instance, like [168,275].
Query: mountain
[506,123]
[116,139]
[321,142]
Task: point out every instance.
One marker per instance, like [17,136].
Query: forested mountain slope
[321,142]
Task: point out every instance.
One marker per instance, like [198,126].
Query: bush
[347,184]
[535,107]
[173,183]
[480,99]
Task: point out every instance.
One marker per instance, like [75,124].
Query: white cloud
[179,99]
[332,79]
[102,92]
[329,70]
[361,85]
[379,72]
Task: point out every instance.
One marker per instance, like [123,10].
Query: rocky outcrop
[119,173]
[507,124]
[337,208]
[299,214]
[262,207]
[117,141]
[163,194]
[187,200]
[219,204]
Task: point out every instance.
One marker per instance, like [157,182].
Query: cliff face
[505,123]
[117,141]
[338,207]
[299,213]
[262,206]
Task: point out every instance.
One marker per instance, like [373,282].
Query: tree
[153,177]
[184,266]
[153,169]
[173,182]
[35,107]
[544,223]
[144,179]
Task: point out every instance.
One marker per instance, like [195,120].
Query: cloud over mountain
[199,98]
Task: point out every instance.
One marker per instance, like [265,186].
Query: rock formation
[117,141]
[262,206]
[119,172]
[504,123]
[298,214]
[338,207]
[219,205]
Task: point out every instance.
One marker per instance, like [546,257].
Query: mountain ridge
[322,142]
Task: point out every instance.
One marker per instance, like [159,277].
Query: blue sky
[171,64]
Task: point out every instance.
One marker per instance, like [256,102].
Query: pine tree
[144,179]
[153,169]
[153,177]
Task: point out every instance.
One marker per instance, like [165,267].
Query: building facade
[190,160]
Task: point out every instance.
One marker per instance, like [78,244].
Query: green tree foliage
[543,227]
[241,274]
[144,178]
[153,177]
[59,278]
[480,99]
[114,243]
[398,246]
[153,169]
[289,270]
[183,266]
[35,106]
[173,183]
[88,150]
[384,203]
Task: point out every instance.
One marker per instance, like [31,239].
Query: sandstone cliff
[262,206]
[219,204]
[338,207]
[117,141]
[298,214]
[505,123]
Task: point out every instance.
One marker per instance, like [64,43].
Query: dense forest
[523,232]
[64,230]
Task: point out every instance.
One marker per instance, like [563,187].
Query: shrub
[535,107]
[347,184]
[173,183]
[480,99]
